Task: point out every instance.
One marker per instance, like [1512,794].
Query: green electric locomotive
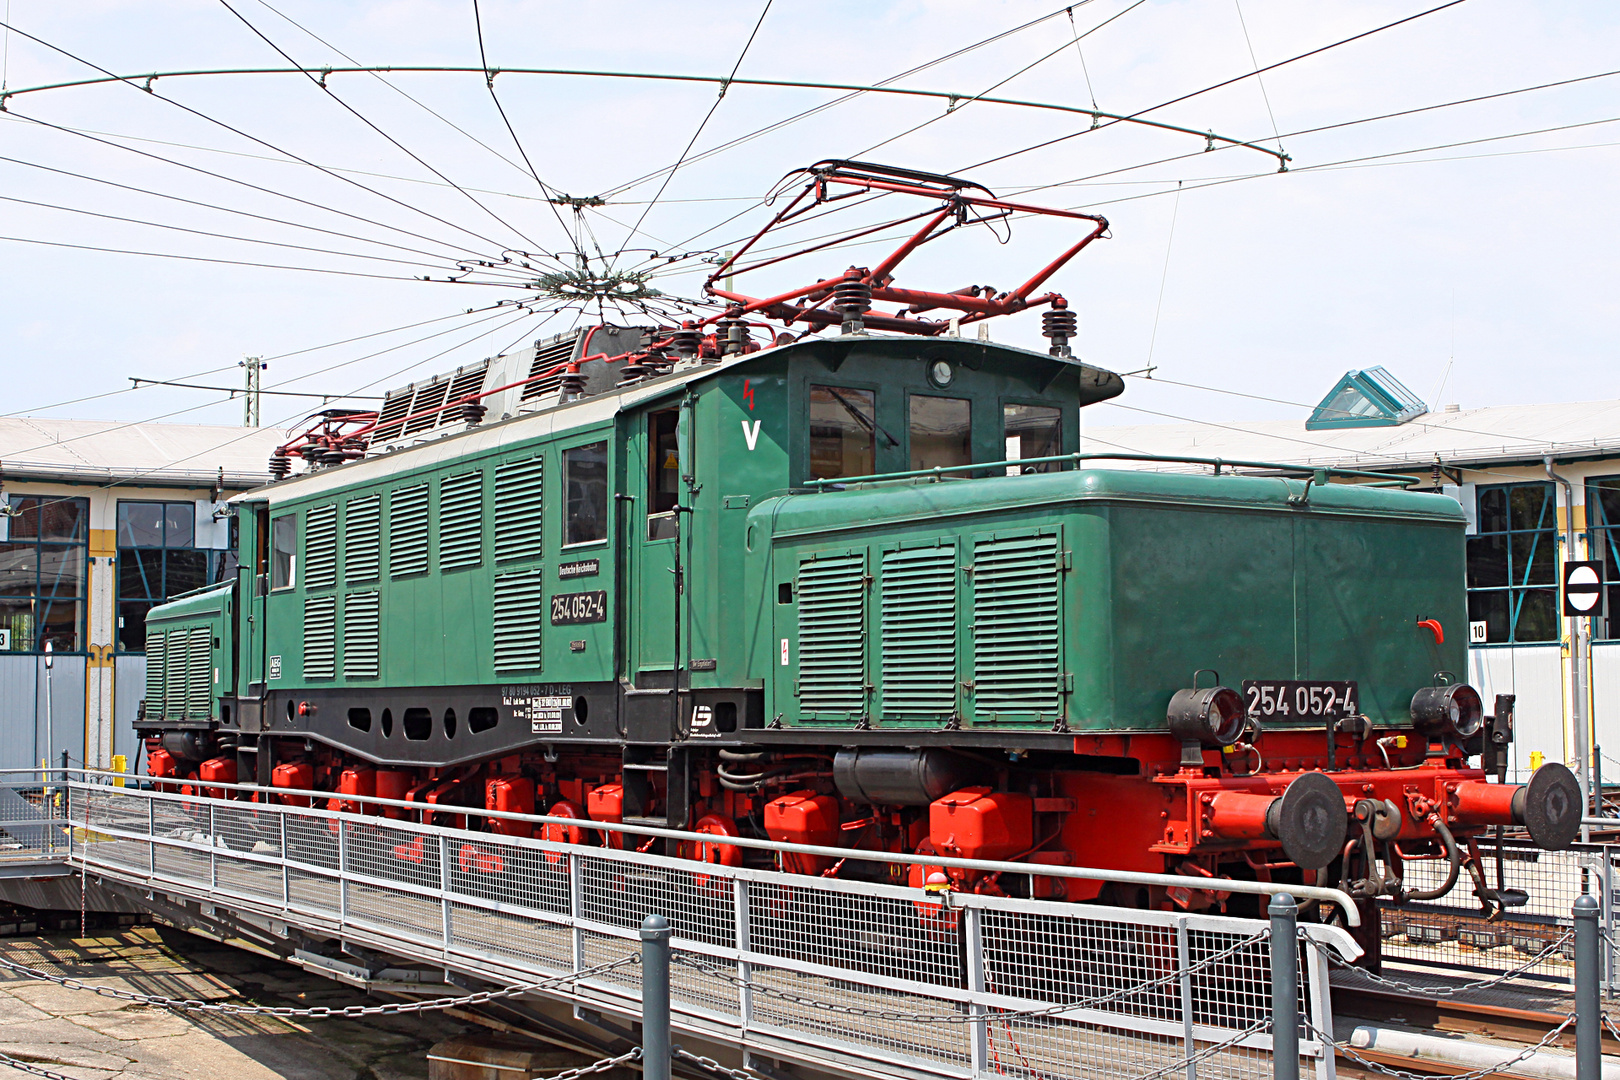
[857,590]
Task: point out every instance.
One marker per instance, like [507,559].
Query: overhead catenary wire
[266,359]
[396,89]
[215,207]
[217,235]
[1335,127]
[766,10]
[956,107]
[835,102]
[1256,73]
[244,183]
[358,115]
[252,138]
[247,433]
[1264,96]
[489,81]
[243,262]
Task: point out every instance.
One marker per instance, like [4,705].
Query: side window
[1512,563]
[1603,544]
[941,432]
[283,551]
[1033,431]
[663,474]
[843,430]
[586,482]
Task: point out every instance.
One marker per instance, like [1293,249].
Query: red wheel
[562,834]
[723,854]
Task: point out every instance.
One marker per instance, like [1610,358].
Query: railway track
[1387,1008]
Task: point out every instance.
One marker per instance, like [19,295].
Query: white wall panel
[1606,706]
[1534,673]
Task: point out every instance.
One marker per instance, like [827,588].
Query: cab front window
[843,432]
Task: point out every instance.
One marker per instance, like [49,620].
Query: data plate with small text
[1309,699]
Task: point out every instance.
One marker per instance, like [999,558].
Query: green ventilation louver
[1371,397]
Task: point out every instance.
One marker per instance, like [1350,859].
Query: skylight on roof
[1371,397]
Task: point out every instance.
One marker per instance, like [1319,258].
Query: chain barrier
[596,1066]
[317,1011]
[970,1018]
[27,1067]
[1475,1074]
[708,1064]
[1614,1032]
[1181,1063]
[1448,991]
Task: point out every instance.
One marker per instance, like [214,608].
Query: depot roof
[1460,438]
[154,454]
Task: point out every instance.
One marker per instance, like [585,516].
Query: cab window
[663,474]
[283,551]
[586,481]
[1033,431]
[941,432]
[843,429]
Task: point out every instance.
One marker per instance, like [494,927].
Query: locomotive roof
[888,502]
[1096,384]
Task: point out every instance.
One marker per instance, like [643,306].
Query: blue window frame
[157,559]
[1603,543]
[42,573]
[1513,563]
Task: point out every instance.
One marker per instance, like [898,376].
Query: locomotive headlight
[1211,717]
[1448,710]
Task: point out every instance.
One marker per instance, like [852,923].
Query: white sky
[1493,262]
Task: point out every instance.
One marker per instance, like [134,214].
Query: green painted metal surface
[1090,597]
[1079,599]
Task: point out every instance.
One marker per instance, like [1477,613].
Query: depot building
[1539,485]
[99,521]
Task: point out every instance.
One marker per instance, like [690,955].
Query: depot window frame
[1518,585]
[38,596]
[1603,545]
[219,564]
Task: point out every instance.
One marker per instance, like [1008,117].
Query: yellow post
[1535,760]
[120,765]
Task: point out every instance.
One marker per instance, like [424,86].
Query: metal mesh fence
[1453,934]
[835,970]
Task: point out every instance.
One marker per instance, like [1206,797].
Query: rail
[1318,475]
[709,841]
[861,978]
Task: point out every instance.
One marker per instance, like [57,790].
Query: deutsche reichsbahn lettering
[580,607]
[584,568]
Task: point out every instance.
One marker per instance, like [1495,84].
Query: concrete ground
[90,1037]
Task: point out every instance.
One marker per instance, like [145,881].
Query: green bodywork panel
[743,437]
[1123,585]
[191,654]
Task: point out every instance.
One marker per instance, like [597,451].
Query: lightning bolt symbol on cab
[748,393]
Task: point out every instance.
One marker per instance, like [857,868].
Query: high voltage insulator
[1059,324]
[852,298]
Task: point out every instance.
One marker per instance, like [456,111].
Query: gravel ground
[90,1037]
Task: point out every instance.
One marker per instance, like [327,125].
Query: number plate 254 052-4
[1300,699]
